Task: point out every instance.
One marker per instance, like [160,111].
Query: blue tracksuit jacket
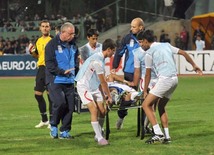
[61,56]
[128,44]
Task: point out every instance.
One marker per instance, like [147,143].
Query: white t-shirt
[86,50]
[139,62]
[200,45]
[161,58]
[92,68]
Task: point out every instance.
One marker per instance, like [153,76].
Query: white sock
[157,129]
[96,128]
[166,131]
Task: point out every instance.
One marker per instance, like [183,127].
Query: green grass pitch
[190,113]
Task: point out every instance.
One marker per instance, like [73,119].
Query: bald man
[128,44]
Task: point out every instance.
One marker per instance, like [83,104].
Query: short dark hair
[148,35]
[92,32]
[109,43]
[44,21]
[139,36]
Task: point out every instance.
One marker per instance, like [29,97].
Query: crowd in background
[182,39]
[20,44]
[101,22]
[15,46]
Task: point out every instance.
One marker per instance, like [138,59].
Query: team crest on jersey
[131,43]
[59,49]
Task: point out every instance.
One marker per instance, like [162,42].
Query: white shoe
[103,141]
[119,124]
[49,126]
[41,124]
[102,133]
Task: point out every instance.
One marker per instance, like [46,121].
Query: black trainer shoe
[155,139]
[148,131]
[167,141]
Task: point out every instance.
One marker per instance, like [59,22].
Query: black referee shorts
[40,84]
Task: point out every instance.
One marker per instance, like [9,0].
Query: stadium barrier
[25,65]
[17,65]
[204,59]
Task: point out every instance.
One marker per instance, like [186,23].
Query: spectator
[23,25]
[63,19]
[88,21]
[37,17]
[108,18]
[27,18]
[200,44]
[31,26]
[13,41]
[33,39]
[100,23]
[52,17]
[20,47]
[45,17]
[14,45]
[8,49]
[177,40]
[27,50]
[1,48]
[8,27]
[76,19]
[59,15]
[184,35]
[198,31]
[25,39]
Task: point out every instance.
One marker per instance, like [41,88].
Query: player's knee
[38,93]
[102,112]
[143,106]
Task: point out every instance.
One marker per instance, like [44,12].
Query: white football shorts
[89,96]
[165,86]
